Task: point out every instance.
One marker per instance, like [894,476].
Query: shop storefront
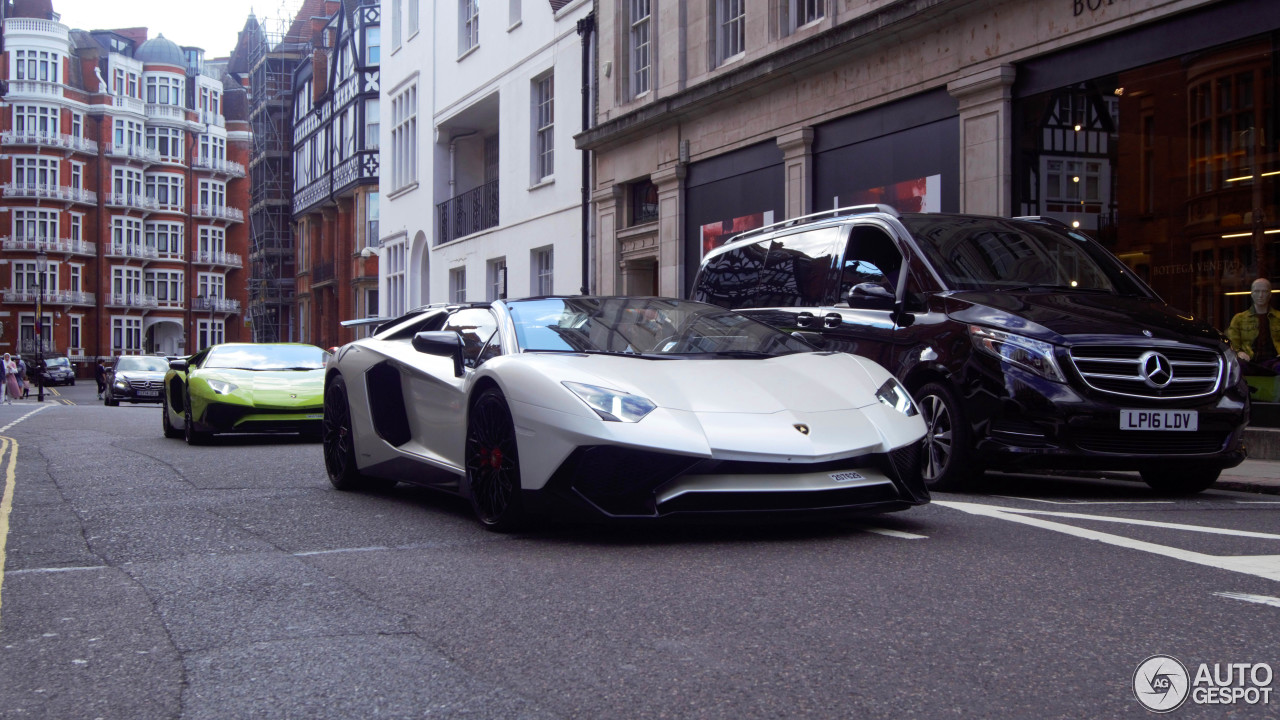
[1164,143]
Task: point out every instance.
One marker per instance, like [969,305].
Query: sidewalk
[1260,476]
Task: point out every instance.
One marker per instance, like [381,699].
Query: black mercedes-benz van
[1027,344]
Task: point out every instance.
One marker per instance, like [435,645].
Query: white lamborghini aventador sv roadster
[617,407]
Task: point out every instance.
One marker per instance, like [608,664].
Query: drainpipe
[586,27]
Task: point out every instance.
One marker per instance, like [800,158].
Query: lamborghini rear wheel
[493,466]
[339,443]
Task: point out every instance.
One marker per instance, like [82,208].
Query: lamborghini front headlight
[612,405]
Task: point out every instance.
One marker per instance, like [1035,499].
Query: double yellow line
[9,462]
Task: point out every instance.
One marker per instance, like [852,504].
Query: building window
[167,143]
[544,127]
[468,25]
[798,13]
[75,282]
[543,264]
[75,334]
[165,238]
[404,138]
[36,65]
[458,284]
[126,285]
[211,242]
[26,278]
[394,259]
[730,29]
[128,135]
[35,172]
[35,121]
[166,190]
[371,220]
[77,175]
[213,194]
[513,13]
[395,24]
[126,236]
[644,202]
[372,46]
[413,17]
[77,227]
[496,270]
[126,184]
[213,150]
[31,225]
[77,125]
[210,332]
[211,286]
[372,126]
[164,90]
[639,46]
[165,286]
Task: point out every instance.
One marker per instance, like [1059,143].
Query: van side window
[870,257]
[797,270]
[730,278]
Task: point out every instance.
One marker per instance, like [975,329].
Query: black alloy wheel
[189,432]
[339,443]
[169,430]
[108,399]
[946,452]
[493,466]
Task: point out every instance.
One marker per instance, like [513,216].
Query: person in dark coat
[100,374]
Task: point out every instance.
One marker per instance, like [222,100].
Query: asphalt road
[147,579]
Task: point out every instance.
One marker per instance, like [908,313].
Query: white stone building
[479,174]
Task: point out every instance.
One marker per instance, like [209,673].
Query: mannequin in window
[1255,341]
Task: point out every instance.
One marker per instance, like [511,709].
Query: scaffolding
[273,55]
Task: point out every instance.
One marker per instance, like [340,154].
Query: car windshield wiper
[1046,287]
[731,354]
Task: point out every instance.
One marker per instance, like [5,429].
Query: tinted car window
[870,256]
[137,364]
[988,254]
[797,269]
[730,278]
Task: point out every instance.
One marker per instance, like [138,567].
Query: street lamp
[42,267]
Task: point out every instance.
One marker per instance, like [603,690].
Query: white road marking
[1264,566]
[1260,599]
[372,548]
[1087,502]
[896,533]
[1150,523]
[57,569]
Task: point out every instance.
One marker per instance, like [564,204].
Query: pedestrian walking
[100,374]
[23,381]
[10,379]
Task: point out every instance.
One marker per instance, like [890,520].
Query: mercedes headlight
[1232,367]
[221,387]
[612,405]
[1026,353]
[892,393]
[122,384]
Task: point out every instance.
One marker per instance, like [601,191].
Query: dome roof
[161,50]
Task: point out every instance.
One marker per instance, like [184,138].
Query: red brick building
[123,195]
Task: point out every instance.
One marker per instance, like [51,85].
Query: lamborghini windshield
[644,326]
[267,356]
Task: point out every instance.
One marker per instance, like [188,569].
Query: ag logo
[1161,683]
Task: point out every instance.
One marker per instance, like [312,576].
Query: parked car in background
[1026,344]
[244,388]
[135,379]
[55,370]
[611,407]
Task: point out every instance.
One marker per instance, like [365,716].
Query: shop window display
[1175,167]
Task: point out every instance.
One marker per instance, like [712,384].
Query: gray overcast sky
[212,25]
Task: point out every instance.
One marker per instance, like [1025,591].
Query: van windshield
[991,254]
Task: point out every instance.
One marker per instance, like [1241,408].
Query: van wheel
[1174,480]
[946,452]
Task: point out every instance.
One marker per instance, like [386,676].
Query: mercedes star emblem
[1155,369]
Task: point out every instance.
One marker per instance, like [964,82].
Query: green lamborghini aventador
[245,388]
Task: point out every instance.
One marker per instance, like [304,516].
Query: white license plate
[847,476]
[148,393]
[1168,420]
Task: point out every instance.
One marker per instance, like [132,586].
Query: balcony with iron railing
[133,300]
[218,212]
[225,167]
[134,201]
[133,152]
[322,273]
[132,251]
[50,192]
[50,140]
[211,257]
[470,212]
[51,297]
[214,304]
[62,246]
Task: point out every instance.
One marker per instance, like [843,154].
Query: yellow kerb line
[9,450]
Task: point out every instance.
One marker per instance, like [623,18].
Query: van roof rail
[1044,219]
[815,217]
